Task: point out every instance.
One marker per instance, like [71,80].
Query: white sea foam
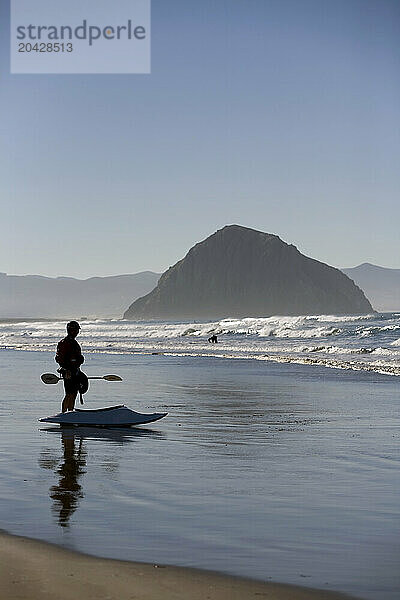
[337,318]
[328,340]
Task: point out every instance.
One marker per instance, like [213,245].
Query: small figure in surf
[213,339]
[69,357]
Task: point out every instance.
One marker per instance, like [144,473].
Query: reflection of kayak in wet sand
[113,416]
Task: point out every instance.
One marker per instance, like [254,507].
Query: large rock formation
[382,285]
[239,272]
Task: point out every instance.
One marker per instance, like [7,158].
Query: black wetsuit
[69,357]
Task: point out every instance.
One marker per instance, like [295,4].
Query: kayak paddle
[52,378]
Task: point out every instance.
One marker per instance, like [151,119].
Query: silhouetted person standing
[69,357]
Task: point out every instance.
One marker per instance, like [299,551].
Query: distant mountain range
[34,296]
[238,272]
[381,285]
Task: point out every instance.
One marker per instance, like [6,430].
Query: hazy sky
[282,115]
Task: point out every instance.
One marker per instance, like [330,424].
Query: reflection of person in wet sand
[68,491]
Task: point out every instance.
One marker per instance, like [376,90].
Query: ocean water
[363,342]
[283,472]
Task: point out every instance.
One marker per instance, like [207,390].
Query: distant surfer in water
[69,357]
[213,339]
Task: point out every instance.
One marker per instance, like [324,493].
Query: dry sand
[31,570]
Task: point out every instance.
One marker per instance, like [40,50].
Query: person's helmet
[73,325]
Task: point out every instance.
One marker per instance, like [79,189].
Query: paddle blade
[49,378]
[112,378]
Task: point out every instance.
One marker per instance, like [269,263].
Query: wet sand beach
[31,570]
[276,473]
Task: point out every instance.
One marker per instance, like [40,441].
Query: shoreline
[335,365]
[36,570]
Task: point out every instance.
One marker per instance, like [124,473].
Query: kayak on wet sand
[112,416]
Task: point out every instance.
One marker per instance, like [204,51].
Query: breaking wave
[360,342]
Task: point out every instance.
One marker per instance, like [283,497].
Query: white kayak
[113,416]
